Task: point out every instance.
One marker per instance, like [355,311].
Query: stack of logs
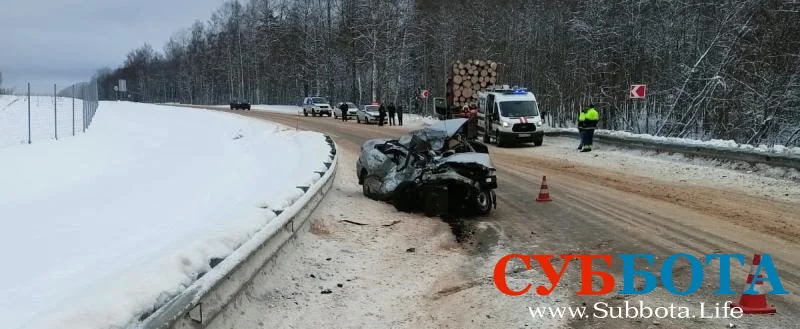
[469,78]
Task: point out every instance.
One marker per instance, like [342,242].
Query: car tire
[538,141]
[305,113]
[498,139]
[358,119]
[404,198]
[365,187]
[482,202]
[486,138]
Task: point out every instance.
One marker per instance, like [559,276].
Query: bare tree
[724,69]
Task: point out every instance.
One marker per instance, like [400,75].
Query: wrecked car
[435,168]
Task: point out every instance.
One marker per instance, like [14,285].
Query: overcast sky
[55,41]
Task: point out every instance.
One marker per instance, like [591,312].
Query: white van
[509,115]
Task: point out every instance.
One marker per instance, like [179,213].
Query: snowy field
[14,119]
[100,227]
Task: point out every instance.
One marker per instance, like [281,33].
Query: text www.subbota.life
[602,310]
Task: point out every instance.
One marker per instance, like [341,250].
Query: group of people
[587,123]
[391,110]
[382,114]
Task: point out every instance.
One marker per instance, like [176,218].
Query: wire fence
[27,117]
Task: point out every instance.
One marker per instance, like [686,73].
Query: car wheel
[329,114]
[358,119]
[538,141]
[486,138]
[482,202]
[305,113]
[365,188]
[500,142]
[404,197]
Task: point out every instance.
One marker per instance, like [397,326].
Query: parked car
[237,105]
[351,110]
[316,106]
[367,113]
[435,168]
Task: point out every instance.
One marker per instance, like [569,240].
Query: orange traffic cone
[755,304]
[544,191]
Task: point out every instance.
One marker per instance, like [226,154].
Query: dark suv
[243,105]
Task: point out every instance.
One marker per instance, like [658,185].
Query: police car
[509,115]
[316,106]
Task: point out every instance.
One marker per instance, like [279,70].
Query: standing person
[581,123]
[400,114]
[591,119]
[343,108]
[381,114]
[473,121]
[392,111]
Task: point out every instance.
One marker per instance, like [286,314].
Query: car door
[491,113]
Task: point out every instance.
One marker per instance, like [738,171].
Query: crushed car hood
[468,158]
[450,127]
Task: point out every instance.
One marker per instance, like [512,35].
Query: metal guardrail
[205,298]
[705,151]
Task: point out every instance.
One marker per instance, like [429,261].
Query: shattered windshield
[516,109]
[424,139]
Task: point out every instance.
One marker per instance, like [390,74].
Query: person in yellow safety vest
[590,120]
[581,123]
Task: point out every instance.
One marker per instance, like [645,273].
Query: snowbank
[289,109]
[14,119]
[724,144]
[416,120]
[99,228]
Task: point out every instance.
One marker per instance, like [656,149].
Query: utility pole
[241,63]
[29,112]
[73,110]
[55,111]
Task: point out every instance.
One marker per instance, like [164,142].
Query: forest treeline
[727,69]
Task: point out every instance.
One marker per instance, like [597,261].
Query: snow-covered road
[410,120]
[98,228]
[411,275]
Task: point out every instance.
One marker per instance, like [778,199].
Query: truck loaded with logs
[501,113]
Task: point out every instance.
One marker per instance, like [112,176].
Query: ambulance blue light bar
[519,91]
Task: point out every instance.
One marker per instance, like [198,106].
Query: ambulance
[509,116]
